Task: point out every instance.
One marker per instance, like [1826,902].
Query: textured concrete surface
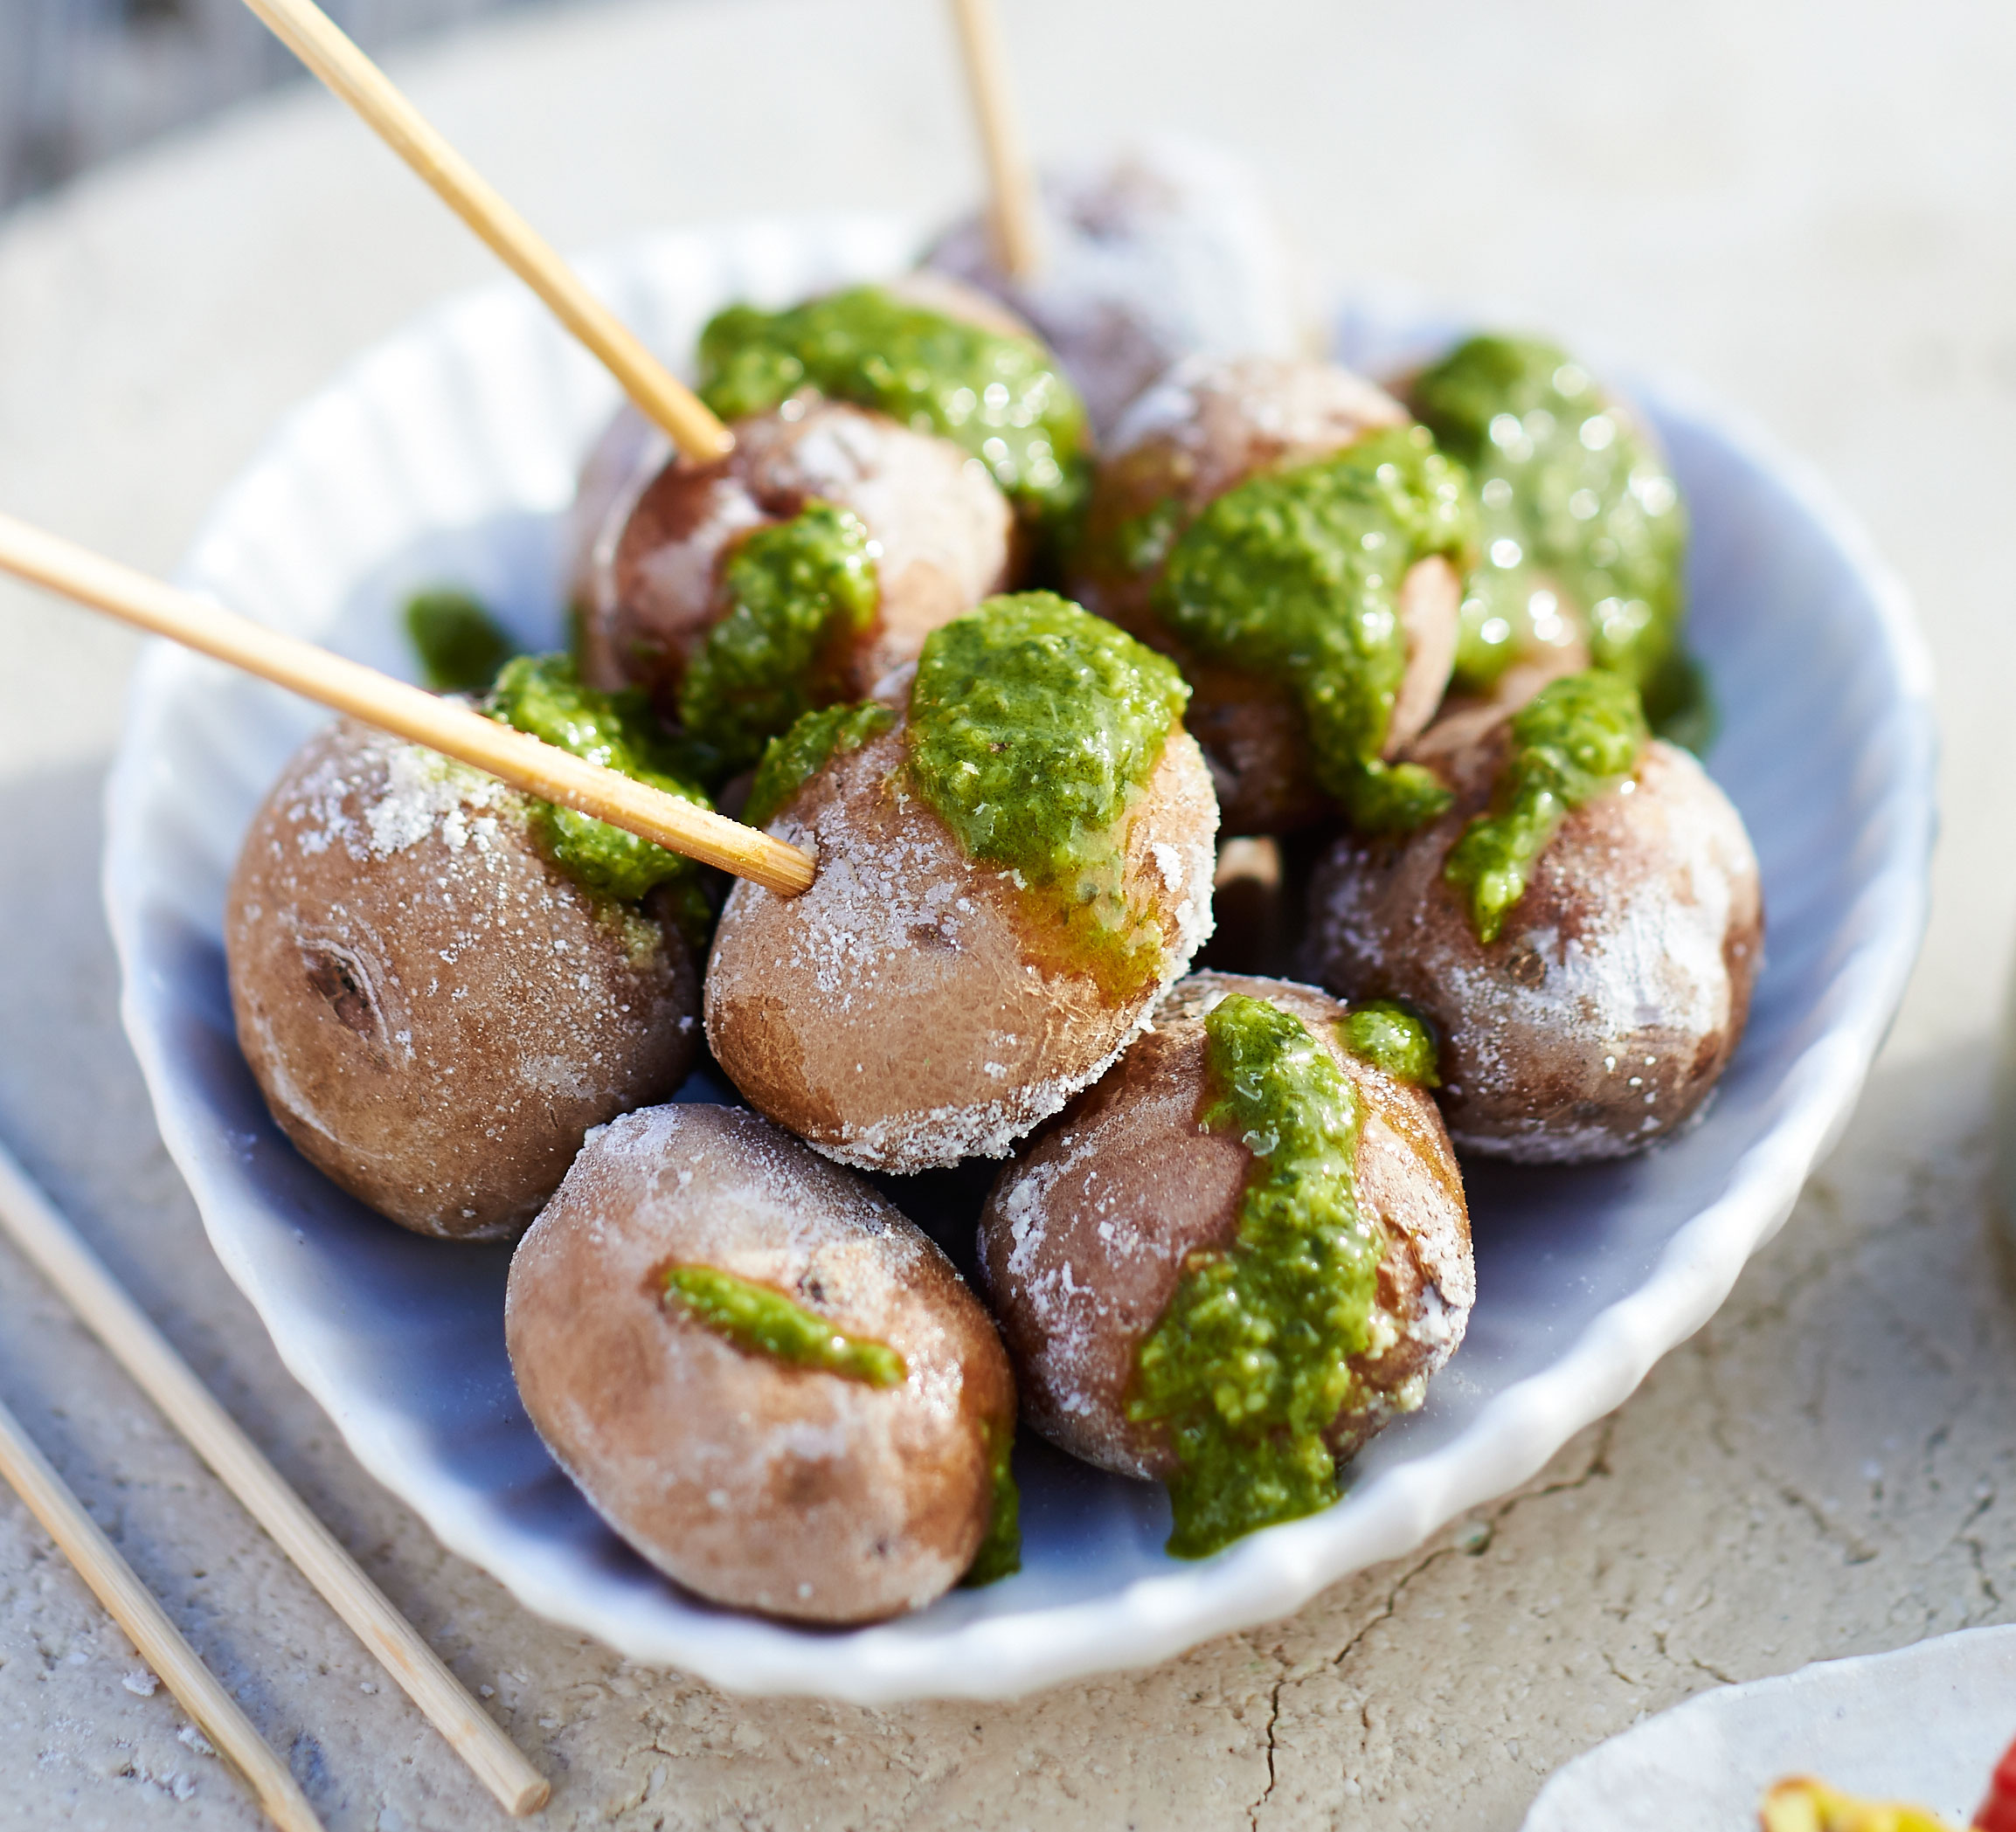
[1811,210]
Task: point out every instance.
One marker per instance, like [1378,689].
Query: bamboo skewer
[1013,214]
[147,1624]
[320,44]
[408,711]
[79,1276]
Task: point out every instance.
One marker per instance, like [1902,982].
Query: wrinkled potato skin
[1620,985]
[654,575]
[757,1483]
[1085,1235]
[1192,438]
[901,1013]
[405,1009]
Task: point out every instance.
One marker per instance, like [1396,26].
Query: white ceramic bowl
[448,453]
[1923,1724]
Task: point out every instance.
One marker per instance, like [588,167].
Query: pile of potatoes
[480,1047]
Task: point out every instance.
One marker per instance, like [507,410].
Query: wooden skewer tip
[407,711]
[161,1645]
[322,45]
[1015,214]
[56,1250]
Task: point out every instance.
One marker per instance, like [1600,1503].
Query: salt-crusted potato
[434,1012]
[754,1479]
[1583,548]
[1604,1012]
[1209,425]
[1086,1233]
[1213,421]
[652,585]
[1168,251]
[912,1008]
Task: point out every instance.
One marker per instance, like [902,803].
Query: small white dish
[447,453]
[1925,1723]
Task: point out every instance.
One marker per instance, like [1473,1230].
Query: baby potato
[1610,1003]
[1087,1233]
[763,1376]
[1167,251]
[435,1013]
[914,1006]
[942,536]
[1209,427]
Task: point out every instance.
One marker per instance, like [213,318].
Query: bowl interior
[448,455]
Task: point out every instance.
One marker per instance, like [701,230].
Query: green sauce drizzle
[1294,575]
[1392,1038]
[1033,726]
[767,1323]
[542,694]
[1002,398]
[1576,738]
[460,645]
[1575,502]
[1001,1553]
[794,758]
[1249,1365]
[798,591]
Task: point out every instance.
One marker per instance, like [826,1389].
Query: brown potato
[1211,425]
[1610,1004]
[652,579]
[1085,1236]
[435,1013]
[1167,250]
[905,1012]
[1551,626]
[627,453]
[755,1481]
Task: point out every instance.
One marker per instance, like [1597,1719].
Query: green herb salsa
[1001,1552]
[1392,1038]
[764,1322]
[794,756]
[1033,726]
[459,644]
[1294,575]
[1249,1365]
[1575,739]
[542,694]
[1577,505]
[798,592]
[1003,399]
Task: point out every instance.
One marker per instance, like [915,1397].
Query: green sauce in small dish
[1578,737]
[764,1322]
[1249,1364]
[1003,399]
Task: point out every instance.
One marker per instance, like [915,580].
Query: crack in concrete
[1619,1673]
[1978,1558]
[1858,1550]
[1471,1544]
[1273,1748]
